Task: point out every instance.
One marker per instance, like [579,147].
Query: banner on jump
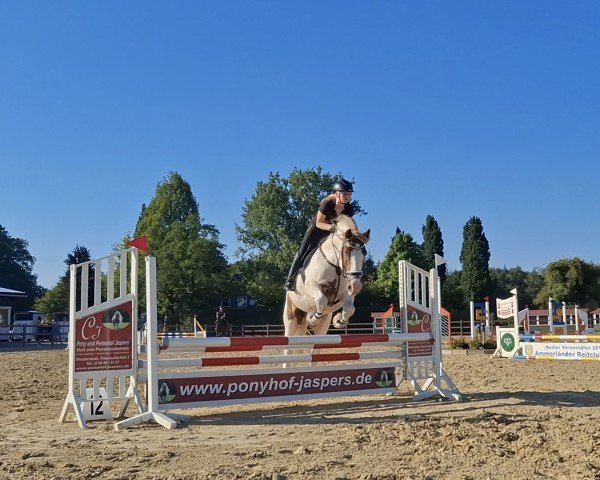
[505,308]
[104,340]
[419,321]
[207,389]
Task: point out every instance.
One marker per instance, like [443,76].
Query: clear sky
[454,109]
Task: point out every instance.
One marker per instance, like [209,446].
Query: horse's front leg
[340,320]
[320,304]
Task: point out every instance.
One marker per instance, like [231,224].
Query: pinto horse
[330,281]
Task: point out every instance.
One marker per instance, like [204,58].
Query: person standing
[220,323]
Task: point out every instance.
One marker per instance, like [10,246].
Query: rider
[331,207]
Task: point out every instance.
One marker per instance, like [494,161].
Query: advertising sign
[562,351]
[104,340]
[419,322]
[273,385]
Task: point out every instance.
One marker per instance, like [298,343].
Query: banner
[505,307]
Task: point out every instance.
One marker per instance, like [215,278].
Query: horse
[117,319]
[330,280]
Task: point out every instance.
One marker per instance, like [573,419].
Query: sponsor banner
[505,307]
[175,390]
[104,340]
[562,351]
[419,321]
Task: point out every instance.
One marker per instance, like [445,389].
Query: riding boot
[290,283]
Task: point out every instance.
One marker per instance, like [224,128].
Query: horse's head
[353,255]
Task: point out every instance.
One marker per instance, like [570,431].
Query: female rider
[332,206]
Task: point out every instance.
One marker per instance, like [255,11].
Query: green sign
[507,341]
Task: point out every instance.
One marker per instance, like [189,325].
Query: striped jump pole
[232,344]
[176,335]
[562,338]
[272,359]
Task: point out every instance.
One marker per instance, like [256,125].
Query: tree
[533,284]
[57,298]
[475,257]
[453,297]
[503,280]
[403,247]
[571,280]
[433,244]
[192,269]
[16,265]
[274,221]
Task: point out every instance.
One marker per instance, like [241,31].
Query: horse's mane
[344,222]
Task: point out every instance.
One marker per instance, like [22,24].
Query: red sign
[266,385]
[419,322]
[104,340]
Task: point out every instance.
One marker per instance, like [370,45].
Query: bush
[489,345]
[475,344]
[456,344]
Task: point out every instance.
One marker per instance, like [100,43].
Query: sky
[451,109]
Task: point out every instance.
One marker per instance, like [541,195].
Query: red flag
[486,299]
[389,312]
[140,243]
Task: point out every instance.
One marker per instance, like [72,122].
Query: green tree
[503,280]
[16,265]
[56,299]
[571,280]
[433,244]
[403,247]
[453,297]
[474,258]
[192,269]
[274,221]
[533,284]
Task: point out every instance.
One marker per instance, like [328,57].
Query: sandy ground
[534,420]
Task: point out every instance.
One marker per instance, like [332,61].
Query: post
[488,328]
[550,316]
[152,413]
[516,311]
[472,318]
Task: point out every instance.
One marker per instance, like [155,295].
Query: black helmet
[342,185]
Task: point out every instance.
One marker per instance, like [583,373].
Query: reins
[339,270]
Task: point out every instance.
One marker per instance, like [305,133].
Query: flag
[141,243]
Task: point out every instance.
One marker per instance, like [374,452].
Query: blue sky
[454,109]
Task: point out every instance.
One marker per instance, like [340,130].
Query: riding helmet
[342,185]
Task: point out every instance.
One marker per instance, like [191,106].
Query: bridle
[339,265]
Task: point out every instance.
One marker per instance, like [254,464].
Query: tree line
[194,273]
